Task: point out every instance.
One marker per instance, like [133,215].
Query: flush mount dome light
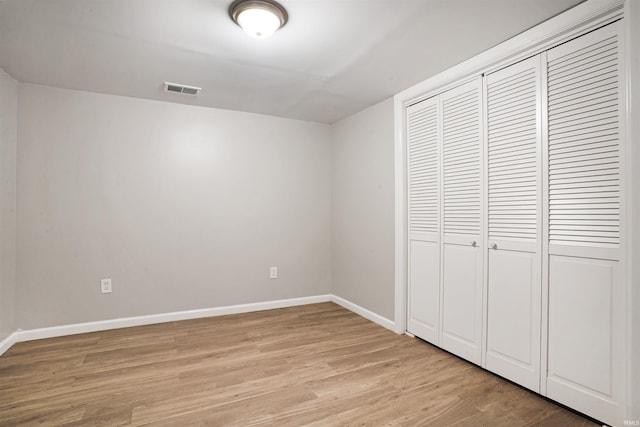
[259,18]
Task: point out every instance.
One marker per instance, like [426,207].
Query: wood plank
[309,365]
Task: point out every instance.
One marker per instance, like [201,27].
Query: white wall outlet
[105,286]
[273,272]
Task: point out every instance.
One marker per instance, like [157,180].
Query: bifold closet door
[586,294]
[514,144]
[462,179]
[423,133]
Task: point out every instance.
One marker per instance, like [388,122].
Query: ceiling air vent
[187,90]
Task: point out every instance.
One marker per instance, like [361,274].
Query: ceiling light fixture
[259,18]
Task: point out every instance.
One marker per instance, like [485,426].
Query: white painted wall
[362,234]
[633,27]
[8,140]
[182,207]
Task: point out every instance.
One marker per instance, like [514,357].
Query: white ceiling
[333,58]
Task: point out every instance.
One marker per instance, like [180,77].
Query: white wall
[8,140]
[182,207]
[362,234]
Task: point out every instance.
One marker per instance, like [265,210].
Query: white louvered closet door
[586,293]
[514,144]
[462,178]
[423,158]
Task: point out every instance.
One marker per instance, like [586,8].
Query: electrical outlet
[105,286]
[273,273]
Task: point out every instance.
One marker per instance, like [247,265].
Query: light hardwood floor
[311,365]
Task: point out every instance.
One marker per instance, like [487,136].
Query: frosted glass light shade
[259,18]
[258,23]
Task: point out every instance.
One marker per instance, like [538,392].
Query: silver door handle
[474,243]
[494,246]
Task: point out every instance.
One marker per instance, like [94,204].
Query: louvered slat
[584,156]
[512,143]
[461,160]
[422,144]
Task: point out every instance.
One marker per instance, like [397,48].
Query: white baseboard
[367,314]
[103,325]
[6,343]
